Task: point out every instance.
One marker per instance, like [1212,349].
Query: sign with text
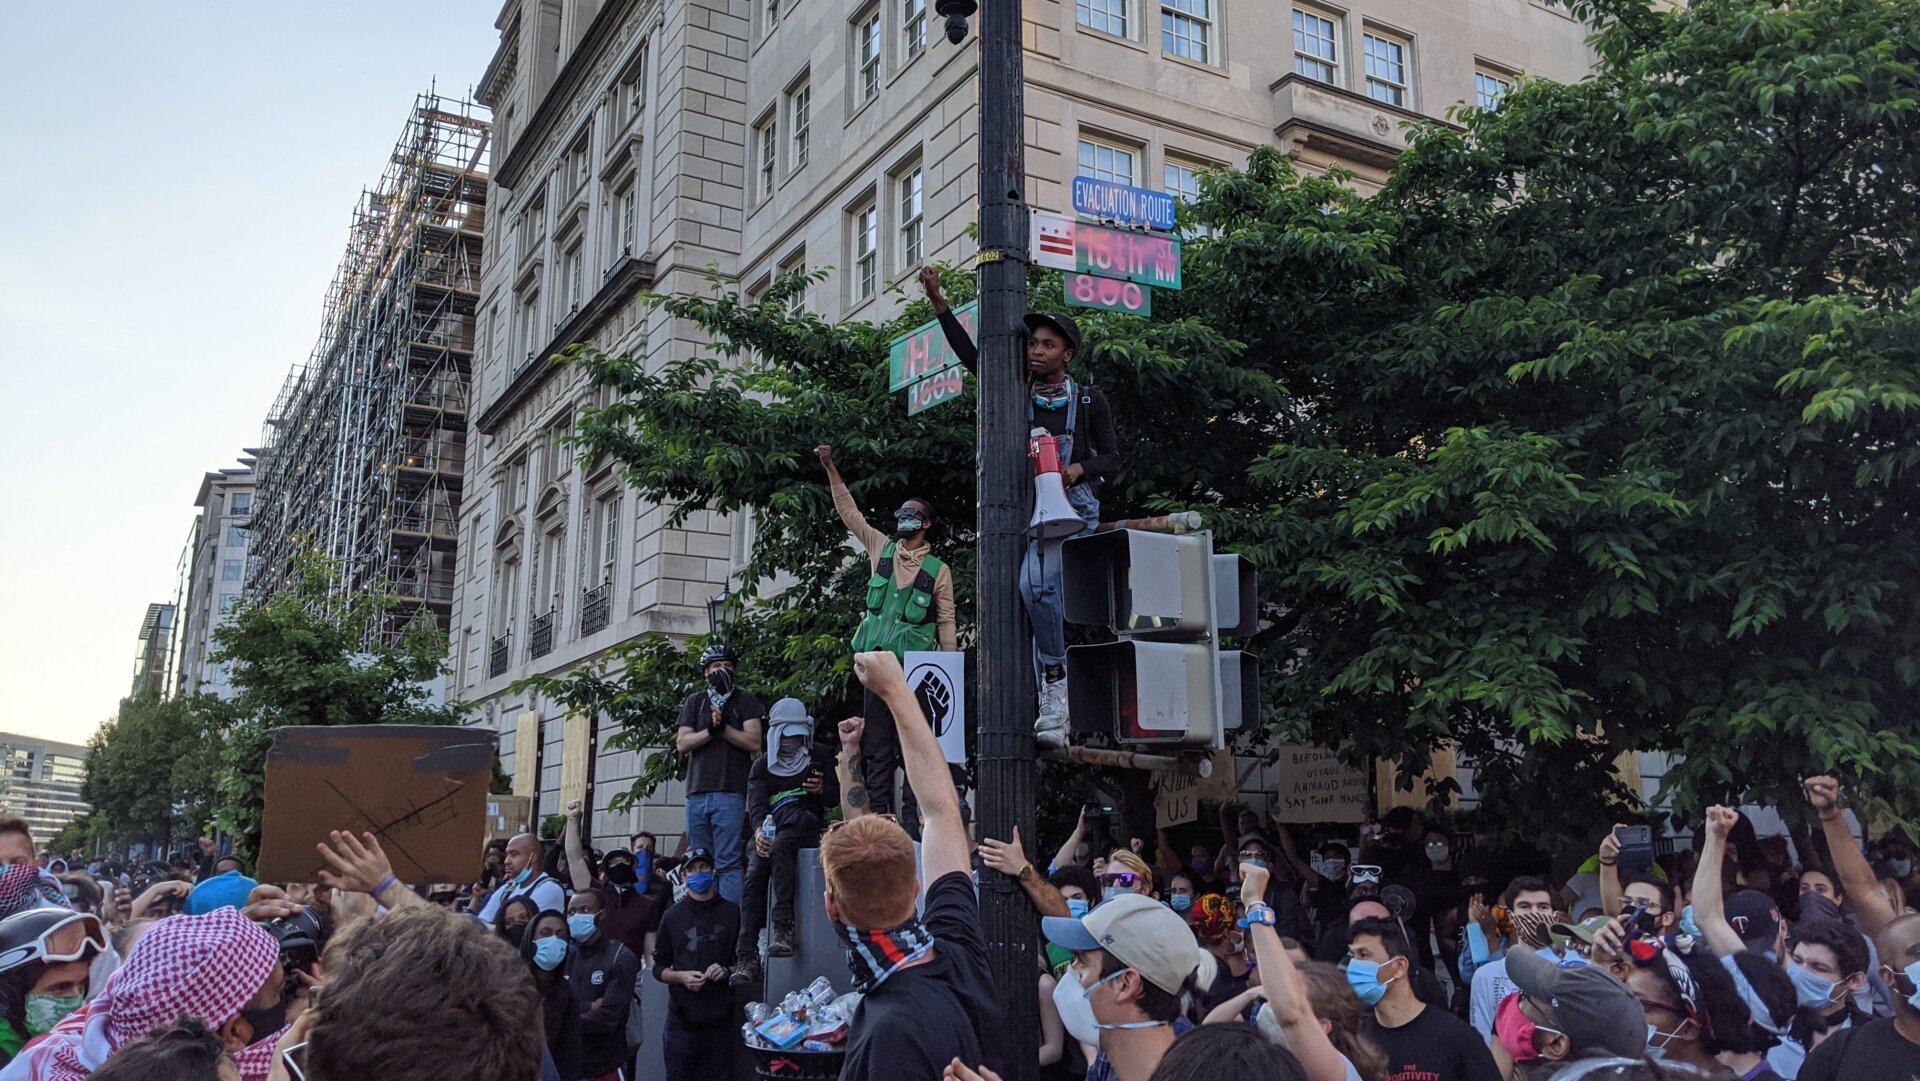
[1122,202]
[1176,796]
[1107,294]
[1315,786]
[939,680]
[942,386]
[922,351]
[1146,258]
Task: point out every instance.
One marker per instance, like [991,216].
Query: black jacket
[764,787]
[1096,445]
[603,971]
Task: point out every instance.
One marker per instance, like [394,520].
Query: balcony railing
[497,656]
[596,608]
[540,636]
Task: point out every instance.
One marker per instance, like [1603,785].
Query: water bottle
[766,828]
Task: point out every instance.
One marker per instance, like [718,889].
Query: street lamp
[957,12]
[717,615]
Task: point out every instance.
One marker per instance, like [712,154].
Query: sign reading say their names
[939,680]
[1315,786]
[922,351]
[1177,796]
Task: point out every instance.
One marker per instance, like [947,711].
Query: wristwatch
[1026,873]
[1257,913]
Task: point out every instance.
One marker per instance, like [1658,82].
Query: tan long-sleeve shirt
[906,562]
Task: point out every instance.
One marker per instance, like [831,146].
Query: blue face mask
[1912,972]
[1076,907]
[523,876]
[1111,892]
[1364,978]
[549,952]
[642,867]
[1181,902]
[1687,924]
[700,882]
[1813,991]
[582,925]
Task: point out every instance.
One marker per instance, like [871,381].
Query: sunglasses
[1120,878]
[1363,873]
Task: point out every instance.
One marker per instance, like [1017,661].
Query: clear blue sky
[177,182]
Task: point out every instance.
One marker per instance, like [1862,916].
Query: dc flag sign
[939,681]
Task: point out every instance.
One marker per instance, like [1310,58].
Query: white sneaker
[1050,728]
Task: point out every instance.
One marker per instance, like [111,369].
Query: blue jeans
[1040,581]
[715,821]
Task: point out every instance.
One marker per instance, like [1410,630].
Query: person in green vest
[909,608]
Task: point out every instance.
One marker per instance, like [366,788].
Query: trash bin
[796,1065]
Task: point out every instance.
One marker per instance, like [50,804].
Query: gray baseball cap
[1596,1011]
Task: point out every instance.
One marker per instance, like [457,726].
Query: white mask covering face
[1269,1025]
[1076,1013]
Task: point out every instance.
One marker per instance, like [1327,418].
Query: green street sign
[1145,258]
[942,386]
[1108,294]
[922,351]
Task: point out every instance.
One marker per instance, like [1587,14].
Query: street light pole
[1006,680]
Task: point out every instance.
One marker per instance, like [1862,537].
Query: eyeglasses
[75,938]
[1363,873]
[1121,878]
[295,1058]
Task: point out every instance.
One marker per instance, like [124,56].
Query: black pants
[779,866]
[879,758]
[699,1054]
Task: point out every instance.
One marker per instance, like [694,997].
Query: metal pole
[1006,701]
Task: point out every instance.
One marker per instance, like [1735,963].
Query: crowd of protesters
[1395,953]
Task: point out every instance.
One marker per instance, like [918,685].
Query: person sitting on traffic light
[1078,416]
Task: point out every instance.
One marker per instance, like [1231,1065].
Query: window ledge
[1102,35]
[1211,69]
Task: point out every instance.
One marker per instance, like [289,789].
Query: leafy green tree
[1593,432]
[310,655]
[150,775]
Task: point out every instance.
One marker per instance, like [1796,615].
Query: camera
[301,939]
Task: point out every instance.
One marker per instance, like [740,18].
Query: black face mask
[267,1023]
[721,680]
[621,874]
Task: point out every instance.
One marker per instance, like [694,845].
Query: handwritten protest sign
[1176,797]
[1315,786]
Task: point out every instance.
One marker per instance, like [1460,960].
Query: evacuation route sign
[1123,203]
[923,350]
[1107,294]
[1146,258]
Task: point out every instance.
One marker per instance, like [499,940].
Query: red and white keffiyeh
[209,967]
[24,886]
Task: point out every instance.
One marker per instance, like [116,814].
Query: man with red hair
[927,995]
[221,968]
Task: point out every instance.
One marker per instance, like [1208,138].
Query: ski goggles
[75,938]
[1363,873]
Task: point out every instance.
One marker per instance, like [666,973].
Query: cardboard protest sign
[939,681]
[1315,786]
[420,789]
[1177,796]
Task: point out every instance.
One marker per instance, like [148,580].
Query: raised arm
[853,790]
[943,836]
[576,858]
[1292,852]
[1709,907]
[1072,846]
[1287,992]
[957,338]
[1609,858]
[1849,863]
[870,538]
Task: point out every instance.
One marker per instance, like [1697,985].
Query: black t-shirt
[924,1017]
[1874,1051]
[719,766]
[1434,1046]
[694,936]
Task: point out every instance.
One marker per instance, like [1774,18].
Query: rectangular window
[866,56]
[582,162]
[799,122]
[575,277]
[912,217]
[796,264]
[1386,60]
[1104,161]
[1181,179]
[772,15]
[1316,53]
[227,601]
[1186,29]
[609,537]
[768,148]
[236,537]
[1107,16]
[866,251]
[242,503]
[914,27]
[517,483]
[633,85]
[626,204]
[530,324]
[230,570]
[1489,88]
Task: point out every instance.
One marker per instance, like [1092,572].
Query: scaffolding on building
[364,448]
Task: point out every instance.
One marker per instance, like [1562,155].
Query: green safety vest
[900,619]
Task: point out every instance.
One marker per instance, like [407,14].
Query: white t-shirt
[542,890]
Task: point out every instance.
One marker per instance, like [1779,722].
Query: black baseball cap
[696,854]
[1063,324]
[1755,918]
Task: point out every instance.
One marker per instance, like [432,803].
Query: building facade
[648,144]
[153,651]
[213,576]
[40,782]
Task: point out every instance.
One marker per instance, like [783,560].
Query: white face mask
[1269,1025]
[1076,1013]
